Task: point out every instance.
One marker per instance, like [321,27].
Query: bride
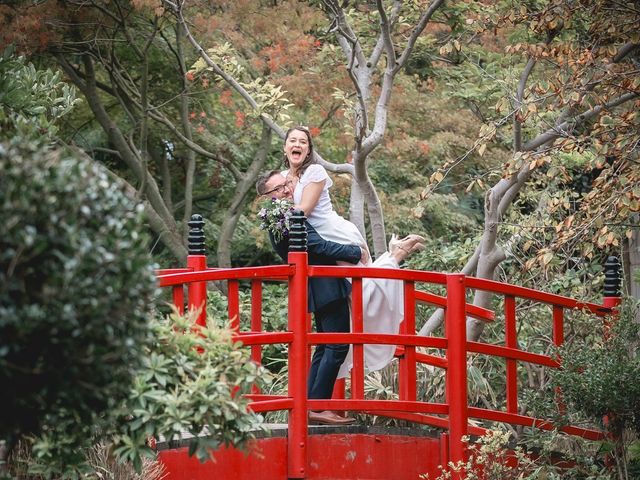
[382,299]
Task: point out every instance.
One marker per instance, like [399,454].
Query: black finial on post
[196,235]
[297,232]
[612,277]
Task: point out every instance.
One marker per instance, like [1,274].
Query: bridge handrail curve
[512,354]
[470,281]
[422,276]
[269,272]
[537,295]
[173,277]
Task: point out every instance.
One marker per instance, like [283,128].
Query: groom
[328,300]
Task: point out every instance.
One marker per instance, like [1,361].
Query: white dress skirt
[382,299]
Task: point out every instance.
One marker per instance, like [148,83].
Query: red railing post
[558,341]
[339,390]
[612,299]
[456,389]
[197,261]
[357,326]
[256,323]
[611,290]
[298,325]
[511,341]
[444,449]
[256,317]
[612,302]
[178,298]
[233,305]
[407,376]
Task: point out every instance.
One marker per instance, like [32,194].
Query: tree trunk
[190,169]
[160,217]
[356,207]
[243,187]
[490,257]
[631,263]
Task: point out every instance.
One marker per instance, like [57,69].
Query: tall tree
[373,59]
[129,62]
[582,102]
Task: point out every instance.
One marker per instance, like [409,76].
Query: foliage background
[453,119]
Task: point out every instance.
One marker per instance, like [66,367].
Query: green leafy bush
[31,100]
[76,289]
[191,384]
[601,379]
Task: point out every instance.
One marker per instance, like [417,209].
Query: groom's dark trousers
[329,302]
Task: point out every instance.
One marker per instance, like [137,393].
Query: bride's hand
[364,255]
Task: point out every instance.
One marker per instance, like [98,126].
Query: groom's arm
[318,246]
[331,250]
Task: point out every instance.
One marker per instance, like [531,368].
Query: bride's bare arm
[310,196]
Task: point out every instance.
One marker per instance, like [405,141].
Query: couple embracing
[332,240]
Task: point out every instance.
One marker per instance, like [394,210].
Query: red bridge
[358,452]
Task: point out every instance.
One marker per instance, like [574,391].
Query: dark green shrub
[76,285]
[601,379]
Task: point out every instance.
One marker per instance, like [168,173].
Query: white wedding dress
[382,299]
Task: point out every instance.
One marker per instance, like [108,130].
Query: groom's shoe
[328,417]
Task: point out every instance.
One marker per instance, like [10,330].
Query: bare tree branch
[243,188]
[127,153]
[415,33]
[161,118]
[564,128]
[220,71]
[346,32]
[517,122]
[186,129]
[385,34]
[625,50]
[522,83]
[376,53]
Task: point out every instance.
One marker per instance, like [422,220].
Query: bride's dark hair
[309,158]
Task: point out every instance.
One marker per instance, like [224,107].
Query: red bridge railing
[453,415]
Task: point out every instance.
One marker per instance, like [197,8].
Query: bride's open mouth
[296,153]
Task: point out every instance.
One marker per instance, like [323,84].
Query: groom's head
[273,184]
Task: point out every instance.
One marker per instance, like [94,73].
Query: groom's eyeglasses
[279,188]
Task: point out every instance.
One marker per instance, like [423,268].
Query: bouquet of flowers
[275,215]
